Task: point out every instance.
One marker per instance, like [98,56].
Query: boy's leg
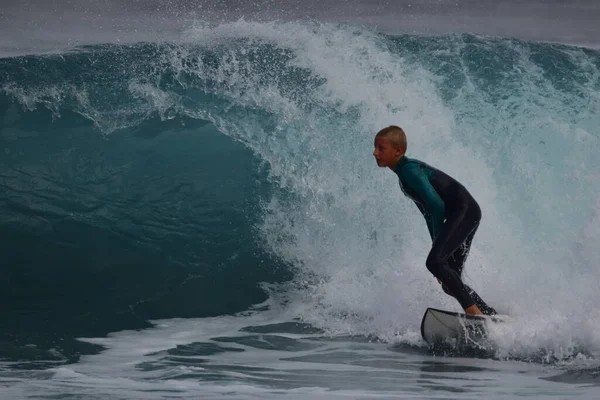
[457,261]
[456,231]
[483,307]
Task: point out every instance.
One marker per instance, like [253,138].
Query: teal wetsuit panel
[417,181]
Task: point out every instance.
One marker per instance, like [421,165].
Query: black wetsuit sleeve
[428,220]
[414,177]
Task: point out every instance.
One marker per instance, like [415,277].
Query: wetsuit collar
[403,160]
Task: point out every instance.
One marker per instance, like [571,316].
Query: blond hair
[395,135]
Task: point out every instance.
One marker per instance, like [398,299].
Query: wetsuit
[452,217]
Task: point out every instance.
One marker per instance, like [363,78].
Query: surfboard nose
[446,326]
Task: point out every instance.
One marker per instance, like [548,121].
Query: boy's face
[386,153]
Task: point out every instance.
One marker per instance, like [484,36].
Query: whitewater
[202,217]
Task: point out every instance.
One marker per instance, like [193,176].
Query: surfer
[451,213]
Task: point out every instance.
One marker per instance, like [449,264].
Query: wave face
[196,178]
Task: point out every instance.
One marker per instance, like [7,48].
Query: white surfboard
[440,326]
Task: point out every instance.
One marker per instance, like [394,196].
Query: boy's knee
[434,265]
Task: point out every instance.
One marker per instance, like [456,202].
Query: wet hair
[394,134]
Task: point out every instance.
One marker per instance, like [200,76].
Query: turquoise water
[204,217]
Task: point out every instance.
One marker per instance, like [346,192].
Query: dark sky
[46,25]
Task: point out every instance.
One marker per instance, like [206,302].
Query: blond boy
[451,213]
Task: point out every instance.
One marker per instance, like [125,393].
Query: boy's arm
[427,220]
[418,181]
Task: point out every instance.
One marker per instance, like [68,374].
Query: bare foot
[473,310]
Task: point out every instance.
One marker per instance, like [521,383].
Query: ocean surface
[190,208]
